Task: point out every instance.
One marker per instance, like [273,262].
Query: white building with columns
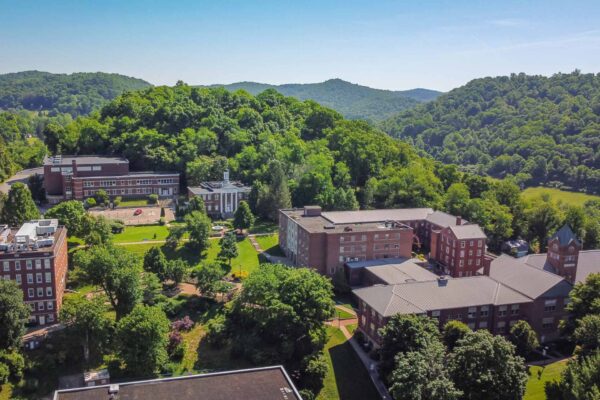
[221,198]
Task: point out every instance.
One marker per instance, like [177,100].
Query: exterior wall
[369,322]
[545,314]
[54,175]
[127,186]
[42,274]
[212,201]
[459,257]
[564,259]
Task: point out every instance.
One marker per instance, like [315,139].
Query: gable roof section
[443,219]
[588,263]
[531,281]
[470,231]
[401,272]
[420,297]
[565,235]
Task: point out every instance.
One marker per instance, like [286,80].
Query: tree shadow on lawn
[351,377]
[185,252]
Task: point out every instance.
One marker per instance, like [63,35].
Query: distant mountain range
[75,94]
[352,100]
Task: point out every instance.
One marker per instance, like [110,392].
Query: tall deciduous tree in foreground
[198,225]
[19,206]
[13,314]
[142,340]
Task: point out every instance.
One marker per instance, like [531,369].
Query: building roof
[34,236]
[401,271]
[83,160]
[269,383]
[565,235]
[588,263]
[382,215]
[470,231]
[533,281]
[130,175]
[319,224]
[212,187]
[449,293]
[443,219]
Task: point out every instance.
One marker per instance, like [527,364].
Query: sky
[394,45]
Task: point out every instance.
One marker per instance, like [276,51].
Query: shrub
[90,202]
[117,200]
[153,198]
[185,324]
[175,340]
[4,373]
[216,332]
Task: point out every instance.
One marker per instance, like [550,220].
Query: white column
[221,203]
[235,201]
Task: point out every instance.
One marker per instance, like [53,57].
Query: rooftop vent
[329,226]
[442,281]
[113,389]
[312,211]
[348,229]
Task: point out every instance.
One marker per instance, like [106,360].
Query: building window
[29,264]
[29,278]
[484,311]
[514,309]
[480,243]
[18,278]
[462,244]
[40,292]
[483,325]
[472,312]
[6,266]
[547,323]
[48,291]
[50,317]
[478,262]
[38,264]
[17,265]
[501,311]
[30,293]
[471,325]
[435,313]
[462,253]
[48,277]
[50,305]
[549,305]
[461,263]
[38,278]
[6,277]
[47,263]
[41,306]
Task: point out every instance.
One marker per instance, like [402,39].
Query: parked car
[137,212]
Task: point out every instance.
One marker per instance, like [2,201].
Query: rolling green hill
[542,130]
[351,100]
[75,94]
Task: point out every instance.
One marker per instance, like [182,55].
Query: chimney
[442,281]
[312,211]
[458,220]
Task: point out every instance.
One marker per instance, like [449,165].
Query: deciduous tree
[13,314]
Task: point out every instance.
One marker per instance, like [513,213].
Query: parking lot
[149,215]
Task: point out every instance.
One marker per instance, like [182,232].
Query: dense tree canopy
[13,314]
[539,129]
[75,94]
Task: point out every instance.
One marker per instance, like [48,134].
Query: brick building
[221,198]
[459,249]
[35,256]
[80,177]
[328,240]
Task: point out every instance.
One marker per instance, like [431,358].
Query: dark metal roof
[565,235]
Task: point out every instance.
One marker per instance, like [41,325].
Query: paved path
[20,176]
[255,244]
[344,308]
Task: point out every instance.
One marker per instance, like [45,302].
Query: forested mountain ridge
[542,130]
[351,100]
[75,94]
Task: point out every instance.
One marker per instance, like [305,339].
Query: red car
[137,212]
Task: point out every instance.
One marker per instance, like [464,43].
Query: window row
[16,264]
[31,293]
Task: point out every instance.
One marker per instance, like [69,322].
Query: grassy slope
[535,386]
[346,378]
[574,198]
[141,233]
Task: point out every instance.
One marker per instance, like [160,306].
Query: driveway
[149,215]
[20,176]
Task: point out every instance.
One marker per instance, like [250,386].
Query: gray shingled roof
[471,231]
[565,235]
[362,216]
[420,297]
[443,219]
[532,281]
[588,263]
[406,271]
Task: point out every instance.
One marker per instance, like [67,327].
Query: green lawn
[535,385]
[342,314]
[352,328]
[247,258]
[262,226]
[346,377]
[270,244]
[139,233]
[133,203]
[558,195]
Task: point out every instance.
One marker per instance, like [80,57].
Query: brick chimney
[458,220]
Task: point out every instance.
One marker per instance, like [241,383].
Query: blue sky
[385,44]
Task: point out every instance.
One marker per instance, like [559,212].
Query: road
[20,176]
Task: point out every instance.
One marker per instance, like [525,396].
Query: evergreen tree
[243,218]
[279,192]
[19,206]
[229,248]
